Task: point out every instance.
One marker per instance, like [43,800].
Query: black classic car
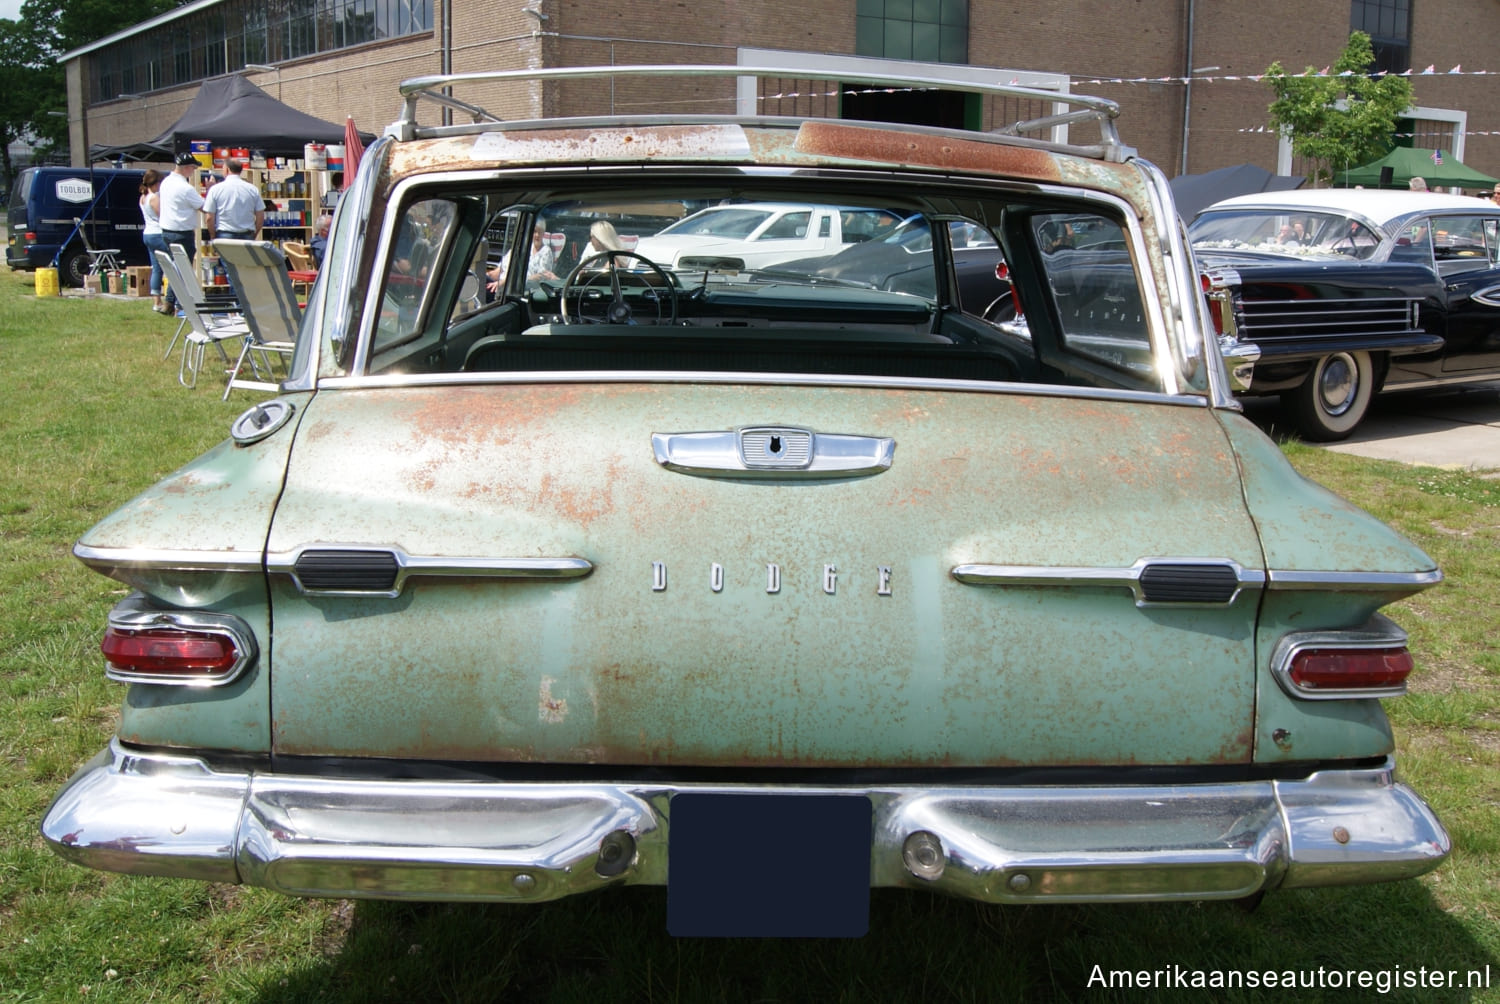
[901,260]
[1328,297]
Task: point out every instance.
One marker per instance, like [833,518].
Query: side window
[1460,241]
[825,226]
[422,235]
[790,227]
[1414,243]
[1095,290]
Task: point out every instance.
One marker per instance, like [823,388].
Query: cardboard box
[117,283]
[138,280]
[91,284]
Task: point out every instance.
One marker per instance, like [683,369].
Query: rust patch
[580,507]
[832,139]
[550,709]
[518,148]
[467,414]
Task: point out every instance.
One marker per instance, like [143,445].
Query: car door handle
[772,452]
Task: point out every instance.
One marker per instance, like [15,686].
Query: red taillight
[1215,305]
[30,237]
[1336,669]
[170,653]
[1002,272]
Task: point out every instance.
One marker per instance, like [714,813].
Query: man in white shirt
[180,203]
[234,207]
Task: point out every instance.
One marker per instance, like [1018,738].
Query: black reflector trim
[1189,583]
[347,571]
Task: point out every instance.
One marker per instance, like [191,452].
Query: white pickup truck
[761,234]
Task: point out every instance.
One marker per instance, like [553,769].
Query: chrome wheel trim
[1337,384]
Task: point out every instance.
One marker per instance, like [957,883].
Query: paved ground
[1455,428]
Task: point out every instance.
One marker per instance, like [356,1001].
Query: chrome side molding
[1155,582]
[366,570]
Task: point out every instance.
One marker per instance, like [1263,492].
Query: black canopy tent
[1195,192]
[231,111]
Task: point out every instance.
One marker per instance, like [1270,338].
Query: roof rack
[438,89]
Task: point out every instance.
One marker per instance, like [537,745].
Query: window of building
[1388,23]
[228,35]
[933,31]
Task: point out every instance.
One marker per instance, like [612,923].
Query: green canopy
[1407,163]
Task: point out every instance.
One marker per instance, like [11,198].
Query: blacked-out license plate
[769,866]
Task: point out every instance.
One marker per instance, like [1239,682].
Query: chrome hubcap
[1337,384]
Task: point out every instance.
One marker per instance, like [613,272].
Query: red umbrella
[353,150]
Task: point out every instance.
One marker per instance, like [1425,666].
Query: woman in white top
[151,233]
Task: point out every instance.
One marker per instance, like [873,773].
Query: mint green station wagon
[950,565]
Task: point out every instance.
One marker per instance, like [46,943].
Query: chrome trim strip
[741,453]
[1250,578]
[105,559]
[428,566]
[134,613]
[1378,632]
[1342,581]
[159,813]
[1487,376]
[769,379]
[1077,576]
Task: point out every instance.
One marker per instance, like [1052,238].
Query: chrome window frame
[1164,324]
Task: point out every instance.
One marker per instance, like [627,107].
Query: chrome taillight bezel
[1377,633]
[135,614]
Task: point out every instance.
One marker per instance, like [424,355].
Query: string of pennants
[1457,71]
[1401,135]
[1431,71]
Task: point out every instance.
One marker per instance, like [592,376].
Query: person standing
[179,203]
[234,207]
[151,233]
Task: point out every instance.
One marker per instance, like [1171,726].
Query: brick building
[1179,68]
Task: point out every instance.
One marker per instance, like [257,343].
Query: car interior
[999,289]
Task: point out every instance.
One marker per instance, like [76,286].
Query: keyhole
[775,444]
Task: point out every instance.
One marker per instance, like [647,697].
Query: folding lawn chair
[184,282]
[257,271]
[202,332]
[101,260]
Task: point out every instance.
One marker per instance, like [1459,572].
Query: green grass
[94,415]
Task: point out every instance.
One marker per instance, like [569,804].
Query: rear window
[21,191]
[960,284]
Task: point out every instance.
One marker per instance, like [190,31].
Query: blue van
[45,201]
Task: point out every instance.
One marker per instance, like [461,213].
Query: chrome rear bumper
[165,814]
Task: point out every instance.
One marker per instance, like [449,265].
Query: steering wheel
[618,311]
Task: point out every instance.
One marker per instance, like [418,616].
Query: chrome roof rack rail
[438,89]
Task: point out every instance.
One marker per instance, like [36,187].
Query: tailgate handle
[772,452]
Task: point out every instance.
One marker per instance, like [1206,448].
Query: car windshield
[1282,231]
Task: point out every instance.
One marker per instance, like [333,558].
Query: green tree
[29,88]
[32,85]
[1342,117]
